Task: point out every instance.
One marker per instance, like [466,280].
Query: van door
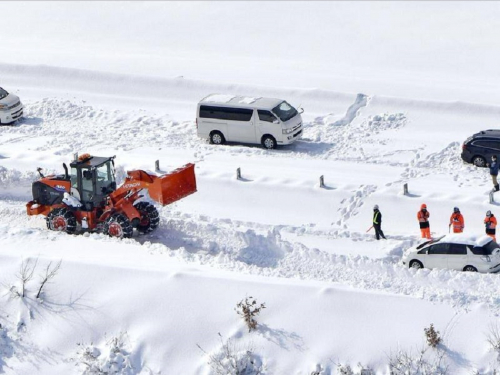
[240,123]
[266,124]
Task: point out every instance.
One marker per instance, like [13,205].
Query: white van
[11,108]
[230,118]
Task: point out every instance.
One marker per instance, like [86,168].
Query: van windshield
[284,111]
[3,93]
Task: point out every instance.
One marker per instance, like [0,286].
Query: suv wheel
[479,161]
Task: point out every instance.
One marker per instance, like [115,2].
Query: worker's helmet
[375,207]
[456,209]
[423,206]
[488,213]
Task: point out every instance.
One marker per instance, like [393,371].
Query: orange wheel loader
[88,199]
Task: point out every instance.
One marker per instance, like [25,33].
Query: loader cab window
[74,178]
[87,186]
[105,178]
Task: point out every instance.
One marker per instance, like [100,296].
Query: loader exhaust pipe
[66,174]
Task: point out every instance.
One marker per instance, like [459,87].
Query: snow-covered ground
[390,91]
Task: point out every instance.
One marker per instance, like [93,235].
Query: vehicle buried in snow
[456,251]
[89,197]
[267,121]
[11,108]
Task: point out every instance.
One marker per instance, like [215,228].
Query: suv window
[224,113]
[489,144]
[440,248]
[266,116]
[457,249]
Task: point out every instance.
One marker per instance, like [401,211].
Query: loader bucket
[173,186]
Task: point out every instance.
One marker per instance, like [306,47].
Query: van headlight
[287,131]
[3,106]
[486,258]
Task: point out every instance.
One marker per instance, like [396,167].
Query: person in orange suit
[457,220]
[423,220]
[490,223]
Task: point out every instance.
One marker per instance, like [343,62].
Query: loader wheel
[61,220]
[118,226]
[149,217]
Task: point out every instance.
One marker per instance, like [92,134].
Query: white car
[11,108]
[456,251]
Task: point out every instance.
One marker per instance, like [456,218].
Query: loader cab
[92,180]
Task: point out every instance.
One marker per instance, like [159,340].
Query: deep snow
[334,295]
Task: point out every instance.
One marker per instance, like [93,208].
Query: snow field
[275,234]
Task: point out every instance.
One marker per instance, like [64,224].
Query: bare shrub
[493,337]
[344,370]
[50,273]
[234,360]
[249,309]
[113,358]
[25,274]
[423,363]
[432,336]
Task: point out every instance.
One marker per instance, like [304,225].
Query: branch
[49,274]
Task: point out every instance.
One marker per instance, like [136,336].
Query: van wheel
[470,269]
[479,161]
[216,138]
[268,142]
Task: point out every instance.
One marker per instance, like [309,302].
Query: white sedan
[456,251]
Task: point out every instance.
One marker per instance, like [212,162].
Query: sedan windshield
[3,93]
[284,111]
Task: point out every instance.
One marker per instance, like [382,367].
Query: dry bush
[493,337]
[249,309]
[50,273]
[432,336]
[423,363]
[234,360]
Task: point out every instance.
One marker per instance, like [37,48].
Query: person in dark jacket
[377,223]
[494,172]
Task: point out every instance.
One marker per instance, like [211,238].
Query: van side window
[224,113]
[266,116]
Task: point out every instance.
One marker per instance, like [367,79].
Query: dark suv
[479,148]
